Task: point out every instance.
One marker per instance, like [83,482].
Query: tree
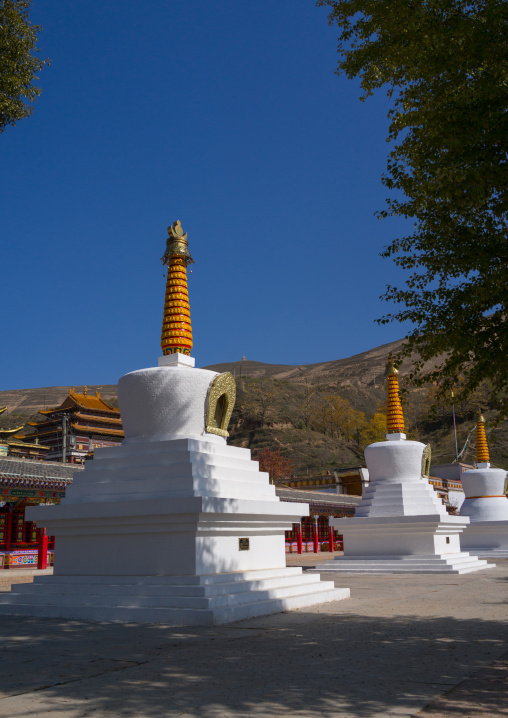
[444,64]
[18,65]
[258,400]
[375,429]
[342,420]
[277,465]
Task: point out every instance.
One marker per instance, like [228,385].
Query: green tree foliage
[18,64]
[444,64]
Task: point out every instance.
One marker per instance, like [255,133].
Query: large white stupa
[173,526]
[400,525]
[486,504]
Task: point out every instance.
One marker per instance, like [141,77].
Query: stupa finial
[482,449]
[394,415]
[176,334]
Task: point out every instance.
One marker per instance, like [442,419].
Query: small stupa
[173,526]
[400,525]
[486,503]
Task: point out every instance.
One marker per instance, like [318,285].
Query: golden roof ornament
[394,415]
[176,336]
[482,449]
[177,244]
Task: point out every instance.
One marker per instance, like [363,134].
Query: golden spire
[482,449]
[394,415]
[176,325]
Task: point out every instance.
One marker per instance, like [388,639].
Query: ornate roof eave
[105,419]
[22,437]
[26,444]
[11,431]
[97,430]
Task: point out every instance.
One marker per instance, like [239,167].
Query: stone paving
[428,646]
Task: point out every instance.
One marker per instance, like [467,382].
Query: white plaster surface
[456,498]
[488,484]
[160,403]
[176,360]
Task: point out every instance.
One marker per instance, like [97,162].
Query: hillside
[318,415]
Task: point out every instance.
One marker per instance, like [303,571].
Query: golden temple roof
[86,401]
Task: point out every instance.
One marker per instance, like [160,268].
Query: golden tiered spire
[482,449]
[394,415]
[176,325]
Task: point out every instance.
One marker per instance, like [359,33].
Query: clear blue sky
[228,116]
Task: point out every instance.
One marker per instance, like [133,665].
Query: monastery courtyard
[411,645]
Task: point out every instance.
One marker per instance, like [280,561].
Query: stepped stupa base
[490,553]
[461,562]
[204,600]
[487,539]
[403,544]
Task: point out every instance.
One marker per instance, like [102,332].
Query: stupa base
[461,562]
[487,539]
[491,553]
[204,600]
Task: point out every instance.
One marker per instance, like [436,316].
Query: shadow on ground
[303,664]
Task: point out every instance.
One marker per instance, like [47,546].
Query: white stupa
[485,504]
[400,525]
[174,526]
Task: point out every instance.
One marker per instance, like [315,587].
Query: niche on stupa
[220,402]
[426,458]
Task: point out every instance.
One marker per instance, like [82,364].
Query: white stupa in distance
[486,503]
[400,525]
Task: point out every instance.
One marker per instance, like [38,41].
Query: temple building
[10,444]
[27,483]
[73,430]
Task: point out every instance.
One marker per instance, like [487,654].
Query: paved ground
[432,646]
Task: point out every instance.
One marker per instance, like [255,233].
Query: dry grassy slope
[26,402]
[365,369]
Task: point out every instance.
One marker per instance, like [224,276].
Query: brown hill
[366,369]
[361,370]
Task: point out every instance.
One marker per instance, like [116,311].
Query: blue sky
[228,116]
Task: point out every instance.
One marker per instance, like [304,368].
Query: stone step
[169,458]
[139,600]
[438,565]
[170,488]
[109,588]
[320,593]
[191,580]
